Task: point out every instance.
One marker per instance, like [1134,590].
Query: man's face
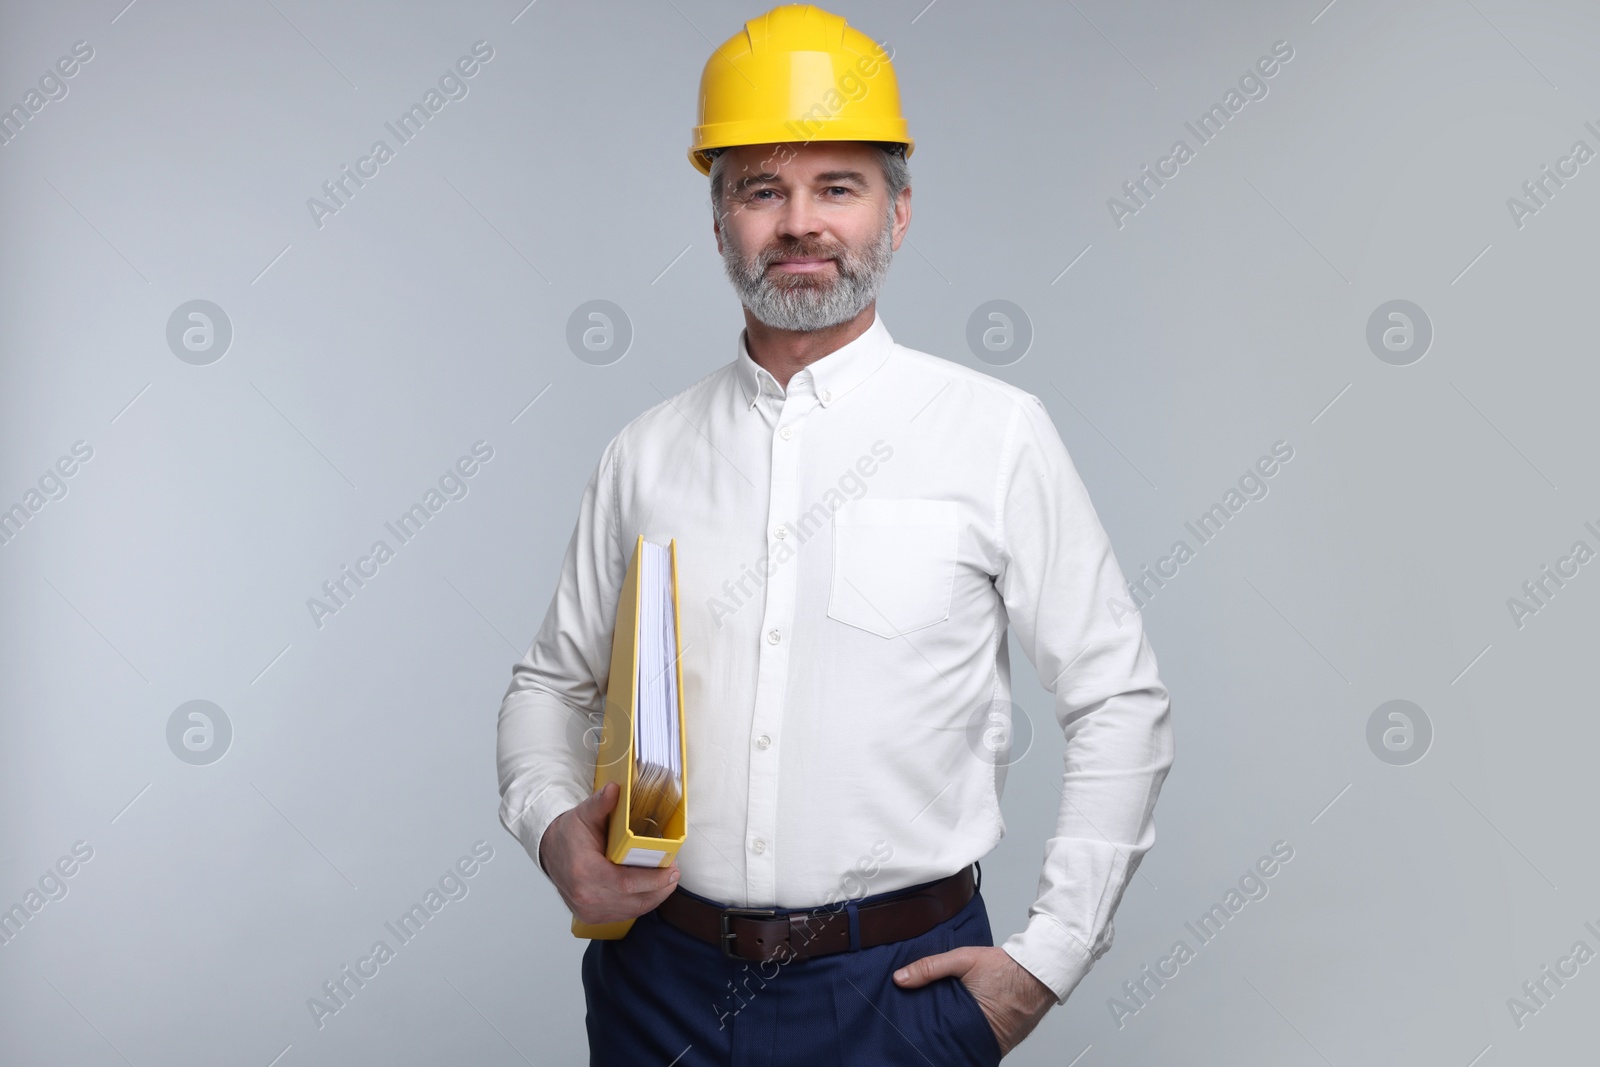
[808,230]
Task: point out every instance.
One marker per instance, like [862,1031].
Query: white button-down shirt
[851,551]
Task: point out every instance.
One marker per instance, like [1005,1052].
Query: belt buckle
[726,937]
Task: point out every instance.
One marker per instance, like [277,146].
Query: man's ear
[902,216]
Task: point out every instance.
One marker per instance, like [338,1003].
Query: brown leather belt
[762,934]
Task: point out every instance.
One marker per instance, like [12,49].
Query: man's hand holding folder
[638,813]
[573,854]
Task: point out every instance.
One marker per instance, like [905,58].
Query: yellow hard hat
[797,73]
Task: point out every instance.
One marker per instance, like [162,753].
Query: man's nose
[799,219]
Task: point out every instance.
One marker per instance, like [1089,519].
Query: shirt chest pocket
[893,564]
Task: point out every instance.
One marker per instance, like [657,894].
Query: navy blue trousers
[658,997]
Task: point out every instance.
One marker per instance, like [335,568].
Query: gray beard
[803,302]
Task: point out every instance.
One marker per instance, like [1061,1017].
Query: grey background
[369,354]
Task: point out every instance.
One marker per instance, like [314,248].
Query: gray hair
[896,173]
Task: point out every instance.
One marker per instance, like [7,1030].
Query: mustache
[778,252]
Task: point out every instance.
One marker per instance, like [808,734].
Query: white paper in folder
[657,769]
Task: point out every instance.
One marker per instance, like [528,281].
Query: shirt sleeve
[550,715]
[1058,579]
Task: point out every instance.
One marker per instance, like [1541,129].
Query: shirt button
[758,846]
[781,532]
[827,395]
[773,637]
[763,742]
[786,433]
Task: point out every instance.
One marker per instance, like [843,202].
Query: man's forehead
[801,162]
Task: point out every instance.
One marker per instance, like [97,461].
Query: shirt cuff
[1048,952]
[536,817]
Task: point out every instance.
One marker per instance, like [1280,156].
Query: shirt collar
[830,377]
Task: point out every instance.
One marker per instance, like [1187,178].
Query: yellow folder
[648,824]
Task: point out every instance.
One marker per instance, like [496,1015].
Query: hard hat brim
[735,134]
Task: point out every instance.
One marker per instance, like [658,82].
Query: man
[857,523]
